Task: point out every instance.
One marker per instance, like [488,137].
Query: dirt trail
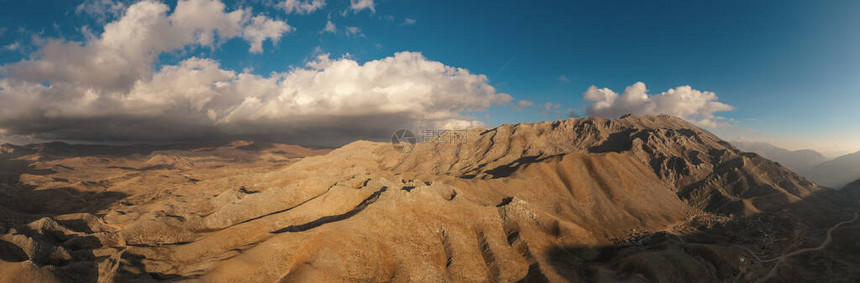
[821,246]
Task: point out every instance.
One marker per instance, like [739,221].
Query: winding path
[782,258]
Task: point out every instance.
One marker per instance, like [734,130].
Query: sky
[332,71]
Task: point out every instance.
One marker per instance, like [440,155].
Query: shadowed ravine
[333,218]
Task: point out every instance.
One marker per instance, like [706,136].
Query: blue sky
[790,69]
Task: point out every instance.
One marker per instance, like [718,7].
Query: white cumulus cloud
[127,48]
[684,101]
[106,88]
[354,31]
[329,27]
[302,7]
[101,10]
[261,28]
[358,5]
[14,46]
[329,101]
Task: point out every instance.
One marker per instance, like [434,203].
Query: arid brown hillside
[577,200]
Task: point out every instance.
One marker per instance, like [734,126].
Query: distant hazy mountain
[852,190]
[798,160]
[838,172]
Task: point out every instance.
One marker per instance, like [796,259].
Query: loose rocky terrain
[636,199]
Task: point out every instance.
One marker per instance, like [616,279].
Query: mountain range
[639,199]
[838,172]
[796,160]
[834,173]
